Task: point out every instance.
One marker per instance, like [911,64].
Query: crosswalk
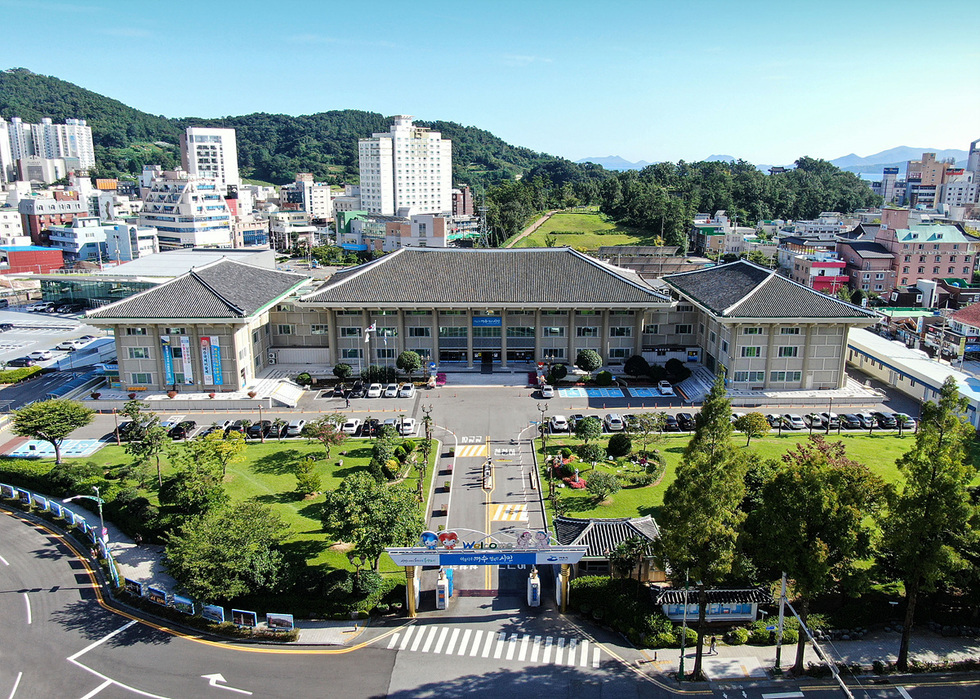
[499,645]
[510,513]
[471,450]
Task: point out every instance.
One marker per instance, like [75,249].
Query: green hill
[271,147]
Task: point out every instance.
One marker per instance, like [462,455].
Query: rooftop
[176,262]
[603,535]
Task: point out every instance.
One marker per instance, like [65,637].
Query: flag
[368,330]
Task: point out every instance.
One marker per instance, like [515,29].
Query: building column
[806,354]
[604,345]
[570,356]
[469,338]
[769,347]
[537,337]
[400,342]
[637,332]
[366,323]
[332,349]
[503,338]
[843,360]
[435,337]
[733,354]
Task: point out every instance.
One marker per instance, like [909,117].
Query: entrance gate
[506,547]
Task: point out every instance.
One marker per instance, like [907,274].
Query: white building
[83,239]
[409,168]
[960,189]
[114,206]
[187,211]
[11,228]
[211,153]
[127,241]
[315,198]
[973,160]
[48,140]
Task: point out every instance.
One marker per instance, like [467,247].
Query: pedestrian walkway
[498,645]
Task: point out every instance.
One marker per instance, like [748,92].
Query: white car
[547,391]
[41,355]
[407,390]
[37,306]
[665,388]
[614,422]
[391,390]
[374,390]
[559,423]
[70,345]
[407,427]
[295,427]
[793,422]
[351,426]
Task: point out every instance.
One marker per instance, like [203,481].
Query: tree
[307,479]
[590,453]
[636,366]
[649,427]
[928,526]
[752,425]
[223,449]
[700,519]
[588,428]
[195,487]
[602,484]
[620,444]
[557,373]
[810,521]
[343,371]
[372,516]
[326,431]
[228,552]
[409,362]
[278,424]
[628,556]
[588,360]
[152,442]
[246,423]
[51,421]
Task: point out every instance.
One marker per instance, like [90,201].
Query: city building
[869,265]
[826,226]
[40,213]
[961,188]
[187,210]
[128,241]
[822,272]
[287,229]
[12,227]
[315,198]
[602,536]
[925,250]
[462,201]
[71,141]
[924,179]
[713,236]
[29,259]
[791,246]
[82,240]
[211,154]
[973,159]
[405,171]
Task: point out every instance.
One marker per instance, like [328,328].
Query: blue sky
[765,81]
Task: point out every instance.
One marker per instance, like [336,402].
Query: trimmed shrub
[304,379]
[737,636]
[636,366]
[15,375]
[619,445]
[603,378]
[761,637]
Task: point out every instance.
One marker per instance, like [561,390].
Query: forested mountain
[271,147]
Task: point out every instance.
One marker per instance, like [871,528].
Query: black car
[260,430]
[885,420]
[685,421]
[850,421]
[671,423]
[21,361]
[357,390]
[370,427]
[339,391]
[182,430]
[6,326]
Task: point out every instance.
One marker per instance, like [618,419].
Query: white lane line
[512,646]
[595,657]
[499,650]
[487,645]
[27,602]
[547,650]
[430,639]
[535,648]
[905,694]
[524,642]
[560,651]
[406,637]
[4,561]
[452,642]
[97,689]
[585,653]
[572,647]
[800,695]
[418,638]
[16,685]
[102,640]
[462,643]
[442,639]
[393,641]
[477,635]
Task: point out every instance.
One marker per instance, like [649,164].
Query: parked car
[295,428]
[357,390]
[70,345]
[351,426]
[37,306]
[574,420]
[867,420]
[41,355]
[547,391]
[885,420]
[407,390]
[182,430]
[407,427]
[21,361]
[665,388]
[685,421]
[905,421]
[670,423]
[236,426]
[736,416]
[375,390]
[793,422]
[774,420]
[832,418]
[260,430]
[559,423]
[370,427]
[613,422]
[87,338]
[851,421]
[813,420]
[6,326]
[339,391]
[391,390]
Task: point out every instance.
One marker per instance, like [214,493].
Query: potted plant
[132,396]
[171,393]
[211,395]
[252,394]
[95,395]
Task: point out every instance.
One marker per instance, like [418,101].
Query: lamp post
[103,532]
[680,670]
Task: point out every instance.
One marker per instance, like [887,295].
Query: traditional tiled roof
[222,289]
[456,276]
[745,290]
[758,595]
[869,250]
[603,535]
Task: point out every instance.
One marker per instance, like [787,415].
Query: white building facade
[47,140]
[187,211]
[210,153]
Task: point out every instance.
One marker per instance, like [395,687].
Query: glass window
[751,351]
[651,329]
[587,332]
[386,353]
[789,331]
[520,331]
[351,353]
[619,352]
[724,345]
[789,351]
[318,329]
[682,329]
[139,352]
[751,331]
[387,332]
[136,331]
[553,331]
[176,331]
[452,331]
[420,332]
[621,331]
[141,378]
[350,332]
[284,329]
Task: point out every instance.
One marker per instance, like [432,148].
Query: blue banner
[216,360]
[168,360]
[486,557]
[487,321]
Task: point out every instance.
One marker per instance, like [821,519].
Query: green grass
[585,231]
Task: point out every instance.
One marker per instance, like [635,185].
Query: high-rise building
[186,210]
[406,171]
[210,153]
[47,140]
[973,159]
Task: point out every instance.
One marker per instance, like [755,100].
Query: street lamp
[103,532]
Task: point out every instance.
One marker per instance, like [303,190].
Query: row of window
[462,331]
[784,351]
[760,331]
[774,376]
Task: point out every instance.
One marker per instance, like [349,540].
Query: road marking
[74,660]
[535,648]
[442,639]
[510,513]
[213,680]
[102,640]
[472,450]
[418,638]
[595,657]
[572,647]
[905,694]
[511,646]
[487,645]
[499,650]
[477,635]
[452,642]
[560,650]
[4,561]
[16,685]
[97,689]
[429,640]
[27,601]
[462,644]
[393,641]
[524,643]
[408,635]
[585,653]
[798,695]
[547,650]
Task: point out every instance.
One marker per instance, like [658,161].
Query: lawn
[878,452]
[585,231]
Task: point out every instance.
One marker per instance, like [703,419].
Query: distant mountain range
[870,164]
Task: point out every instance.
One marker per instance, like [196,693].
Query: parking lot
[33,332]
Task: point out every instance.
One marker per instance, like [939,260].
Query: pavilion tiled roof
[758,595]
[603,535]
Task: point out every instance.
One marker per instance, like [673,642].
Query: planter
[252,394]
[211,395]
[171,394]
[132,396]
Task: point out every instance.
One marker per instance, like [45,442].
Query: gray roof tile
[603,535]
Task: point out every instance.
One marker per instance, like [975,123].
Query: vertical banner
[207,374]
[185,351]
[168,359]
[216,360]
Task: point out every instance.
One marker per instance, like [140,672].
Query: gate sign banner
[216,359]
[420,556]
[168,359]
[206,371]
[185,351]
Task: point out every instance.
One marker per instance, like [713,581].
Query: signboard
[168,359]
[133,587]
[555,555]
[213,612]
[55,509]
[240,617]
[216,360]
[183,604]
[185,352]
[279,622]
[487,321]
[156,594]
[207,373]
[7,491]
[972,348]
